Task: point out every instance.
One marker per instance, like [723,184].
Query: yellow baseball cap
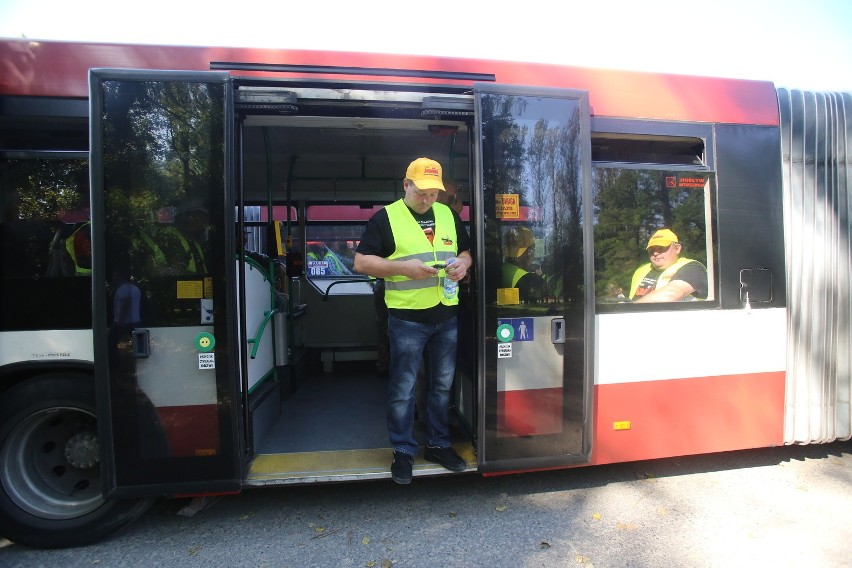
[425,173]
[517,240]
[662,238]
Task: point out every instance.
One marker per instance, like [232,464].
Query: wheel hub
[82,450]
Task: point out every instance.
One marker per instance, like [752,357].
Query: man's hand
[458,269]
[416,270]
[671,292]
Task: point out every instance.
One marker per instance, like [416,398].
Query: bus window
[332,233]
[45,244]
[631,205]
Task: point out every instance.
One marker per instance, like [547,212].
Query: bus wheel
[50,484]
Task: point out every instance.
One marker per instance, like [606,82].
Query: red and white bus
[230,187]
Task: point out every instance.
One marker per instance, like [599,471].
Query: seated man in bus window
[668,277]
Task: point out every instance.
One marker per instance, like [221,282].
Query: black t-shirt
[693,273]
[378,240]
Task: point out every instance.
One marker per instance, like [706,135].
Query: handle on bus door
[557,330]
[140,341]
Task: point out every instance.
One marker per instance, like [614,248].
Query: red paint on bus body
[688,416]
[59,69]
[530,412]
[191,430]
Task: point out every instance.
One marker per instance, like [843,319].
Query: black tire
[50,481]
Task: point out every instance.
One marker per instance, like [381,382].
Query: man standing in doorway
[401,243]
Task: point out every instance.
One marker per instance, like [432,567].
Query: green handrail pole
[255,341]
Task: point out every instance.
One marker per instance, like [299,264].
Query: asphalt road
[789,506]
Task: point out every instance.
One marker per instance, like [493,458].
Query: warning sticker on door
[206,360]
[508,206]
[504,350]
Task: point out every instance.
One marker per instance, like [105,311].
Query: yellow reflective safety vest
[411,242]
[195,261]
[662,280]
[79,248]
[512,274]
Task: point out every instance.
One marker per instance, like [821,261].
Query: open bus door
[164,326]
[537,309]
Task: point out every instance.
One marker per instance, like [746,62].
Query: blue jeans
[410,342]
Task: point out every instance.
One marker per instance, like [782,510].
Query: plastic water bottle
[450,287]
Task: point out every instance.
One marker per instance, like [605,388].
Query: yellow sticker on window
[508,296]
[508,206]
[190,289]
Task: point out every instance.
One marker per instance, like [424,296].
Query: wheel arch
[14,374]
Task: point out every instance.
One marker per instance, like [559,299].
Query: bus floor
[333,427]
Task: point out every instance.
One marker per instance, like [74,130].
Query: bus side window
[651,231]
[42,223]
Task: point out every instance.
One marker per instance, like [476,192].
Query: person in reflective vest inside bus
[175,245]
[668,277]
[169,248]
[79,248]
[328,262]
[518,270]
[401,244]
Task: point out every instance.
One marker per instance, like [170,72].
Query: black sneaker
[401,468]
[446,457]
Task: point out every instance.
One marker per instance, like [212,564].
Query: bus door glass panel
[534,167]
[163,324]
